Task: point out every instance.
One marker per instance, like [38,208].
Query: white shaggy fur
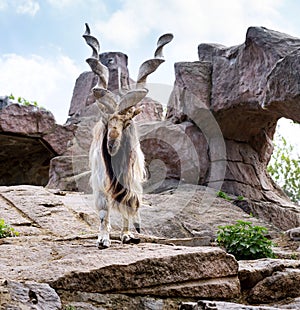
[128,170]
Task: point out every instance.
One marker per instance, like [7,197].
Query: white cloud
[192,22]
[49,82]
[94,5]
[61,3]
[3,5]
[30,7]
[190,19]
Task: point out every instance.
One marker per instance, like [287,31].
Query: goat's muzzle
[113,146]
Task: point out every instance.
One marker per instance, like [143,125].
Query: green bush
[6,230]
[245,241]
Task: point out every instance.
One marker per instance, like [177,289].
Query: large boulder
[171,152]
[29,139]
[245,90]
[28,295]
[270,280]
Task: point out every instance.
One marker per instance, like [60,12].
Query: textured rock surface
[270,280]
[82,96]
[57,248]
[192,90]
[279,286]
[294,234]
[246,89]
[28,295]
[171,152]
[29,138]
[219,305]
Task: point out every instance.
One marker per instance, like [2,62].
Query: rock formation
[29,139]
[247,88]
[211,136]
[243,119]
[54,262]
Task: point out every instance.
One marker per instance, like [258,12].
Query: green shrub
[223,195]
[245,241]
[6,230]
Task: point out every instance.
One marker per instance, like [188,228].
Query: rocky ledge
[54,263]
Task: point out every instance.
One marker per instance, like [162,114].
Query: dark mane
[117,167]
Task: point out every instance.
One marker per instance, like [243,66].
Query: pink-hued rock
[29,138]
[247,88]
[270,280]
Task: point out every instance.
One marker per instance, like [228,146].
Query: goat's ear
[131,113]
[131,99]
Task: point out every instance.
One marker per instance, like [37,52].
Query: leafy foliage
[223,195]
[284,168]
[23,101]
[245,241]
[6,230]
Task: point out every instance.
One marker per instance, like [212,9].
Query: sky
[42,51]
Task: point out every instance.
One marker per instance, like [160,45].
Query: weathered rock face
[247,88]
[116,63]
[269,280]
[171,152]
[61,265]
[219,305]
[29,138]
[57,246]
[28,295]
[82,96]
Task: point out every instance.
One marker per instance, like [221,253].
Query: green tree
[284,167]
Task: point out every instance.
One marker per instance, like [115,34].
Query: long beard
[119,169]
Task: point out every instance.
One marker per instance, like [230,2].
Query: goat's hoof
[103,244]
[126,239]
[135,240]
[137,227]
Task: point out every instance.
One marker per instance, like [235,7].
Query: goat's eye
[127,123]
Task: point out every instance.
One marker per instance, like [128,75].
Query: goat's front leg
[104,228]
[127,236]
